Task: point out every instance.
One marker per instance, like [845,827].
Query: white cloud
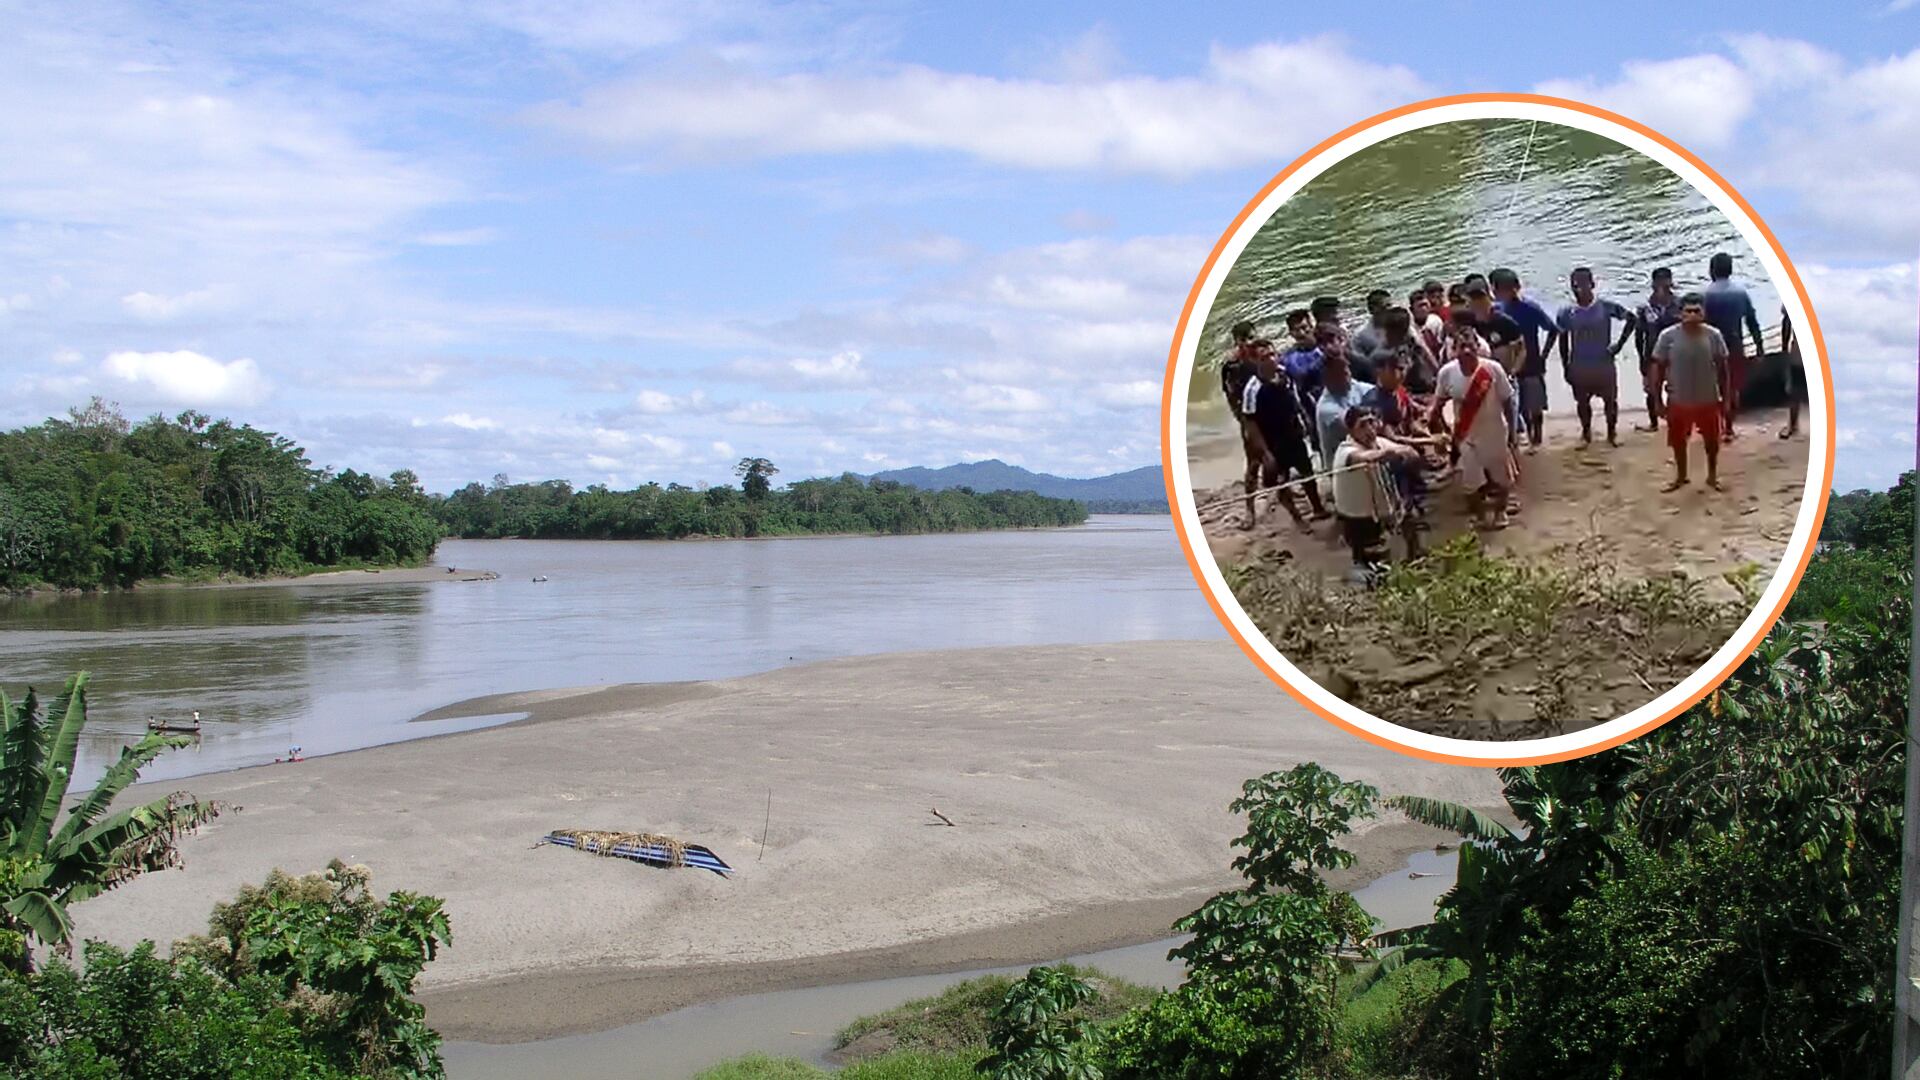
[154,307]
[470,422]
[842,368]
[1004,399]
[1700,100]
[1247,106]
[189,378]
[1132,394]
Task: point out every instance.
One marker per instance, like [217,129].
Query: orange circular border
[1186,315]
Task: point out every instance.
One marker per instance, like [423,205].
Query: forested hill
[652,512]
[1137,491]
[93,501]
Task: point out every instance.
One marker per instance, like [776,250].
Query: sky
[620,242]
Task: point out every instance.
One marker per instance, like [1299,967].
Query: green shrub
[135,1016]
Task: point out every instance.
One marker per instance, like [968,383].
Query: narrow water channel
[801,1023]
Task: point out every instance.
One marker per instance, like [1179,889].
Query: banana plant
[61,862]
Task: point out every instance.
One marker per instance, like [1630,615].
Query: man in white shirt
[1363,497]
[1480,391]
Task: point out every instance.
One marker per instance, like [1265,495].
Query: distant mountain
[1138,491]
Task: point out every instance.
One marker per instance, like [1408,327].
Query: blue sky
[617,242]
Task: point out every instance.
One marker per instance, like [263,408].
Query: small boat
[174,727]
[539,578]
[640,847]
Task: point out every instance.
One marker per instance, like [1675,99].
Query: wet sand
[399,575]
[1088,786]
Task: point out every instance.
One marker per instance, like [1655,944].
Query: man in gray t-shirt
[1691,362]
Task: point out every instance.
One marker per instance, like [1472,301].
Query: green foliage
[1035,1032]
[91,501]
[1844,584]
[553,510]
[344,960]
[756,477]
[1407,1026]
[134,1016]
[1881,520]
[1265,960]
[92,850]
[958,1019]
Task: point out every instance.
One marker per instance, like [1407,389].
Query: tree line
[91,501]
[554,510]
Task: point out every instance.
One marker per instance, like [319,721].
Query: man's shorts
[1533,396]
[1736,378]
[1684,420]
[1594,381]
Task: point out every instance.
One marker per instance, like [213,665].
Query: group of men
[1369,410]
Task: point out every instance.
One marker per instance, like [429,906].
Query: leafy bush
[135,1016]
[1036,1034]
[343,960]
[957,1020]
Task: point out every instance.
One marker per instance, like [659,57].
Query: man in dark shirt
[1730,310]
[1398,341]
[1303,361]
[1505,343]
[1238,367]
[1661,310]
[1275,410]
[1531,318]
[1367,341]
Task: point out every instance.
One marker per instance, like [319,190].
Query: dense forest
[1881,520]
[93,501]
[654,512]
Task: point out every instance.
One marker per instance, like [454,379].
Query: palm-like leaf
[19,760]
[69,716]
[118,776]
[41,915]
[1454,817]
[125,845]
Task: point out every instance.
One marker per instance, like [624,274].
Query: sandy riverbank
[1088,785]
[398,575]
[1592,497]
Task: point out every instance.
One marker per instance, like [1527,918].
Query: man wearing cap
[1361,495]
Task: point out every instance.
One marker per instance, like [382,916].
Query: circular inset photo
[1498,429]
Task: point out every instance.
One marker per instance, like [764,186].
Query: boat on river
[648,848]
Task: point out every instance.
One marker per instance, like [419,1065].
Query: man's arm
[1626,331]
[1753,327]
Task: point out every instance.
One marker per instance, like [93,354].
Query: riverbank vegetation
[554,510]
[301,978]
[93,501]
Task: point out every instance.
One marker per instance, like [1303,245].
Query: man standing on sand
[1399,342]
[1793,373]
[1357,491]
[1532,319]
[1692,360]
[1586,357]
[1505,343]
[1661,310]
[1303,361]
[1273,407]
[1480,390]
[1730,310]
[1342,392]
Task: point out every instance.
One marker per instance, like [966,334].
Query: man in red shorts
[1691,362]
